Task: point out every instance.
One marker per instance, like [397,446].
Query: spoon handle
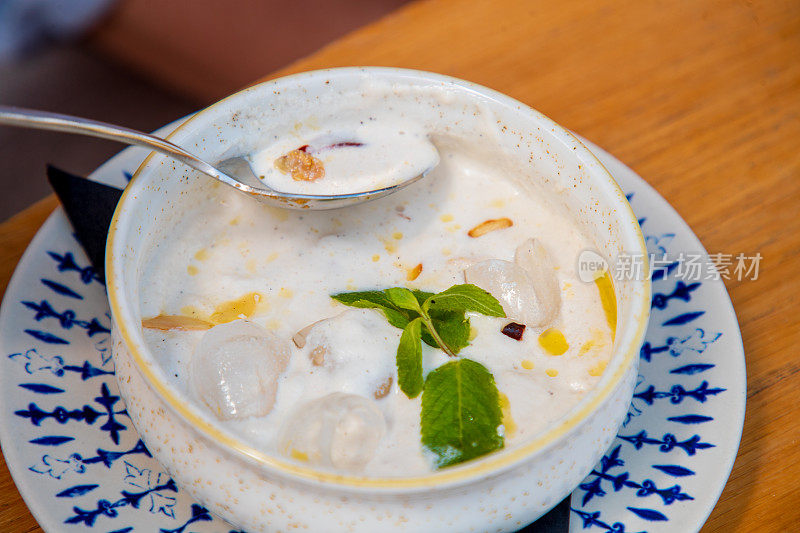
[44,120]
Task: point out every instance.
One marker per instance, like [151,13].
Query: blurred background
[142,64]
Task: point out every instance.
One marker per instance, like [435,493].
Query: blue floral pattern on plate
[80,464]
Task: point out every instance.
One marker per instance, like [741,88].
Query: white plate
[79,464]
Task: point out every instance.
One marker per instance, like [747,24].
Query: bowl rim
[460,474]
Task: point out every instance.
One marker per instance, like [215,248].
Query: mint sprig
[460,411]
[443,314]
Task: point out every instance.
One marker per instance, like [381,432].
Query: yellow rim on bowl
[461,473]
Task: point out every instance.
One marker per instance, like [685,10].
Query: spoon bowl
[235,171]
[246,181]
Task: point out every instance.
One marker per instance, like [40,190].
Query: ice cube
[511,285]
[527,289]
[338,430]
[235,369]
[535,260]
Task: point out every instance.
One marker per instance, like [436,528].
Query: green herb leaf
[409,359]
[465,297]
[364,299]
[397,317]
[403,298]
[453,328]
[460,412]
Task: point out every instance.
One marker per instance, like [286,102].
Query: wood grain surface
[702,99]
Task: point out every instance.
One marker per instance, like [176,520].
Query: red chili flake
[514,330]
[304,148]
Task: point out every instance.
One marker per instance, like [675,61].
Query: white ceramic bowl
[258,491]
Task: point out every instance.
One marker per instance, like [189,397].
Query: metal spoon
[235,171]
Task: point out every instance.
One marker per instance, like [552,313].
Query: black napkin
[90,206]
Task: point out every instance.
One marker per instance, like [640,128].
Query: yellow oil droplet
[397,235]
[389,247]
[552,372]
[273,324]
[527,364]
[201,254]
[250,265]
[553,341]
[473,332]
[230,311]
[272,257]
[376,258]
[598,369]
[285,293]
[597,341]
[235,221]
[297,454]
[446,251]
[508,421]
[446,218]
[498,202]
[608,300]
[190,310]
[192,270]
[588,345]
[454,228]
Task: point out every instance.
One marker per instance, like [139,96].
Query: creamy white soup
[238,310]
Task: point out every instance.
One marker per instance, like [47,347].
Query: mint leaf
[409,359]
[460,412]
[403,298]
[364,299]
[397,317]
[453,328]
[465,297]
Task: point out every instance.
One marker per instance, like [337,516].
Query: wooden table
[702,99]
